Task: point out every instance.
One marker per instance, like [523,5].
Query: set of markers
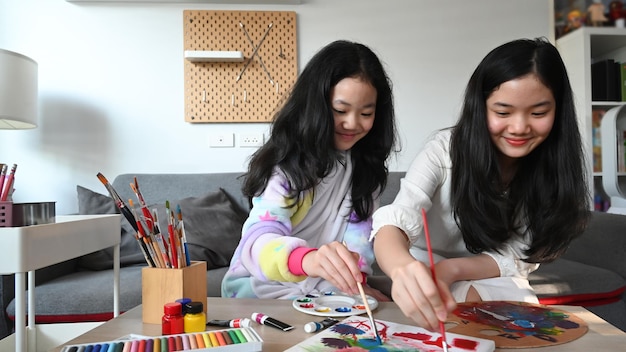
[160,250]
[6,181]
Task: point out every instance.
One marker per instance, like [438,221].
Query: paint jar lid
[312,327]
[194,307]
[183,301]
[172,308]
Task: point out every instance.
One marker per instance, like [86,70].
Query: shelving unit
[30,248]
[613,123]
[579,50]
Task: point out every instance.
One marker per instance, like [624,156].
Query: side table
[29,248]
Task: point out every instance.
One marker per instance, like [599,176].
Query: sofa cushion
[84,296]
[90,203]
[212,225]
[567,282]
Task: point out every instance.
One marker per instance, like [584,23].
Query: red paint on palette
[464,344]
[415,336]
[425,338]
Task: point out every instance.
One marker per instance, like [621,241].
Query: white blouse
[427,185]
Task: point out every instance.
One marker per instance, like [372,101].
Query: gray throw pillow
[92,203]
[212,223]
[212,226]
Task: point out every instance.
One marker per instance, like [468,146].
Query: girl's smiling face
[520,116]
[353,102]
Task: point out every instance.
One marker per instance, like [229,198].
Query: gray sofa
[592,273]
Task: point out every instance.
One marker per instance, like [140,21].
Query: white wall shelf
[213,56]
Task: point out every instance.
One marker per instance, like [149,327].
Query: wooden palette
[516,324]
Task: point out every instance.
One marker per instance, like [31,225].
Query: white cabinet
[579,50]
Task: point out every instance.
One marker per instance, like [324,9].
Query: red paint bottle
[173,320]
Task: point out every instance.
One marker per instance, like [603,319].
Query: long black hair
[549,192]
[301,141]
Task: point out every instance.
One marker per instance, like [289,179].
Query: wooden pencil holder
[160,286]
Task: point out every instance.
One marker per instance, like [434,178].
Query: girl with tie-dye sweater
[314,185]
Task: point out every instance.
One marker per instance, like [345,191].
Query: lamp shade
[18,91]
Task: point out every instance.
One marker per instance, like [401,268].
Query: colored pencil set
[160,250]
[238,339]
[6,181]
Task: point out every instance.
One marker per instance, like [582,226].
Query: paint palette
[516,324]
[333,304]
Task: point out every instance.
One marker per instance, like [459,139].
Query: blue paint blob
[567,324]
[343,309]
[524,323]
[544,324]
[368,343]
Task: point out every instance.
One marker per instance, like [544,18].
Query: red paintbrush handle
[173,248]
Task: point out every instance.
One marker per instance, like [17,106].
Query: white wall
[111,79]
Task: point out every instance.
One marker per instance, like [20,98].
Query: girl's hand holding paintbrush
[419,297]
[337,264]
[413,288]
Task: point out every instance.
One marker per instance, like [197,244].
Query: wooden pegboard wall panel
[213,92]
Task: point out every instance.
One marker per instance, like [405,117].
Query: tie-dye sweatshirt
[259,267]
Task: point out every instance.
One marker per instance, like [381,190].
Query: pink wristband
[294,263]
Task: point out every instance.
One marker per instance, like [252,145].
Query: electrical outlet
[251,140]
[222,140]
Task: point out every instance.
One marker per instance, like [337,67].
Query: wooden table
[601,335]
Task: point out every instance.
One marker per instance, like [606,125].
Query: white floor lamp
[18,91]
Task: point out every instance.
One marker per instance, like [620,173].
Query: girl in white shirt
[504,189]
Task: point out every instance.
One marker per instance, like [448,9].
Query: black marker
[234,323]
[265,320]
[316,326]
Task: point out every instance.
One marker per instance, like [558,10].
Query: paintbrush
[367,308]
[160,239]
[170,230]
[442,327]
[128,214]
[140,236]
[369,312]
[183,236]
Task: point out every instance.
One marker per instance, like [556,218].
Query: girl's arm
[266,242]
[413,288]
[477,267]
